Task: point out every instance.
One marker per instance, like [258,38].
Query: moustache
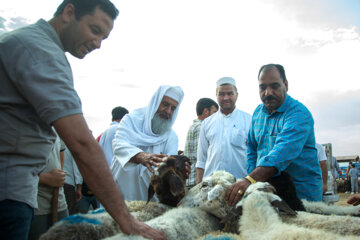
[164,115]
[269,98]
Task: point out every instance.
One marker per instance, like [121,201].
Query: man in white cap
[222,141]
[143,138]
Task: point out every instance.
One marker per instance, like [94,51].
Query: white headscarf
[135,128]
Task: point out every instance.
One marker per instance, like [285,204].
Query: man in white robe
[222,141]
[142,140]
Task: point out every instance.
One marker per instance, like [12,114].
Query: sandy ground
[343,197]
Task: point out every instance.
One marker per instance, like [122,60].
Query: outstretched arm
[93,166]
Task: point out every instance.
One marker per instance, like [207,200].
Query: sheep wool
[323,208]
[180,224]
[261,221]
[209,195]
[98,224]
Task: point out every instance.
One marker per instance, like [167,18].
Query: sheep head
[168,182]
[274,199]
[209,195]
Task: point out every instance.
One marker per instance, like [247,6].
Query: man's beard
[159,125]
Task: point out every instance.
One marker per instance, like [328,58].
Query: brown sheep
[168,182]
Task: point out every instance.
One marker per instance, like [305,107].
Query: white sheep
[99,224]
[181,223]
[261,221]
[209,195]
[323,208]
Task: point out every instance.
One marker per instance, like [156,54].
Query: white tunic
[222,143]
[134,135]
[133,179]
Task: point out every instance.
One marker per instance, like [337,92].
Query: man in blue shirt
[281,138]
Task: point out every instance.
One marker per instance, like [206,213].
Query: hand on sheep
[55,178]
[140,228]
[233,195]
[354,200]
[148,159]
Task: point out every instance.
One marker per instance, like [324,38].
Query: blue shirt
[285,140]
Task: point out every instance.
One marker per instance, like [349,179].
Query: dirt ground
[343,197]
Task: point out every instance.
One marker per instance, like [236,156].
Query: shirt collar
[50,31]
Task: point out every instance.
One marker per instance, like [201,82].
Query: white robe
[133,179]
[222,143]
[134,135]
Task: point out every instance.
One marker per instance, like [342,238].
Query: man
[281,138]
[52,178]
[108,136]
[323,164]
[143,138]
[37,92]
[222,141]
[205,107]
[335,171]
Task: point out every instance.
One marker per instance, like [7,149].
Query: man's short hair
[84,7]
[279,67]
[118,113]
[205,103]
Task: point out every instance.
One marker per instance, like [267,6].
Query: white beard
[159,125]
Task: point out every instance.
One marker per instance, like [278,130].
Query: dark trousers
[348,185]
[15,219]
[70,196]
[41,223]
[86,201]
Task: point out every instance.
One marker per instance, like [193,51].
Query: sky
[193,43]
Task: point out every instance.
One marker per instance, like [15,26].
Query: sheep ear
[176,185]
[283,207]
[151,193]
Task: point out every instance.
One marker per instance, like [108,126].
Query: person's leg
[70,197]
[356,185]
[39,225]
[15,219]
[83,204]
[352,185]
[94,202]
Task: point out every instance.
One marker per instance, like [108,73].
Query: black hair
[118,113]
[83,7]
[279,67]
[205,103]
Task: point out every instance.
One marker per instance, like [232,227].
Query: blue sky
[193,43]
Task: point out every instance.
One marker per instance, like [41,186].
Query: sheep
[181,223]
[323,208]
[99,224]
[168,182]
[209,195]
[261,221]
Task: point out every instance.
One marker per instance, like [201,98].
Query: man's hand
[233,195]
[55,178]
[354,200]
[140,228]
[78,194]
[148,159]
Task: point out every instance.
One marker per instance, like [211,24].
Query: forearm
[199,174]
[44,178]
[324,171]
[92,164]
[262,174]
